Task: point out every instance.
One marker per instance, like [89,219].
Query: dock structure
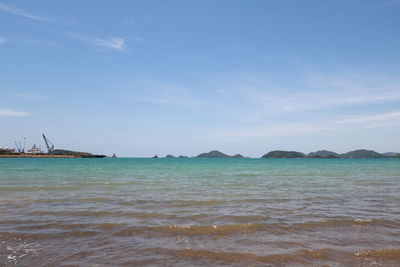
[36,151]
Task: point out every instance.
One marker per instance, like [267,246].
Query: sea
[199,212]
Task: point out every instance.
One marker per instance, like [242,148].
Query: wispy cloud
[392,3]
[278,129]
[19,12]
[392,117]
[138,39]
[31,96]
[156,92]
[389,119]
[130,23]
[13,113]
[38,42]
[258,98]
[262,96]
[113,43]
[2,40]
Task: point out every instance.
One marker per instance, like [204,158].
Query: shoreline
[39,156]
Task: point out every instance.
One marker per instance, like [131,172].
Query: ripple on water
[199,212]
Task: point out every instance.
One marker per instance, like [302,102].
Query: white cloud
[13,113]
[111,43]
[130,22]
[286,129]
[327,92]
[2,40]
[31,96]
[163,93]
[39,42]
[393,117]
[388,119]
[283,129]
[392,3]
[259,96]
[29,41]
[114,43]
[19,12]
[138,39]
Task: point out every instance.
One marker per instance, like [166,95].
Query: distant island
[212,154]
[355,154]
[362,153]
[173,157]
[217,154]
[284,154]
[323,154]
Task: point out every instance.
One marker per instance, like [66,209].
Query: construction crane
[16,145]
[50,146]
[20,146]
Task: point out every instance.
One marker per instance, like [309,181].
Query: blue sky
[139,78]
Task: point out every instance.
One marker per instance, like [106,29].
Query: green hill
[75,153]
[391,155]
[362,154]
[217,154]
[284,154]
[323,154]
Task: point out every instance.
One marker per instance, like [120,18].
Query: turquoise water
[200,212]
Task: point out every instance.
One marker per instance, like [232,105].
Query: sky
[139,78]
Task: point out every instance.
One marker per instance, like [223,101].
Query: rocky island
[173,157]
[284,154]
[217,154]
[355,154]
[323,154]
[362,154]
[320,154]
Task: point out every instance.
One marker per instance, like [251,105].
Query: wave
[199,229]
[226,257]
[390,253]
[38,230]
[62,200]
[343,223]
[174,203]
[47,226]
[42,236]
[250,228]
[113,235]
[106,213]
[188,229]
[304,257]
